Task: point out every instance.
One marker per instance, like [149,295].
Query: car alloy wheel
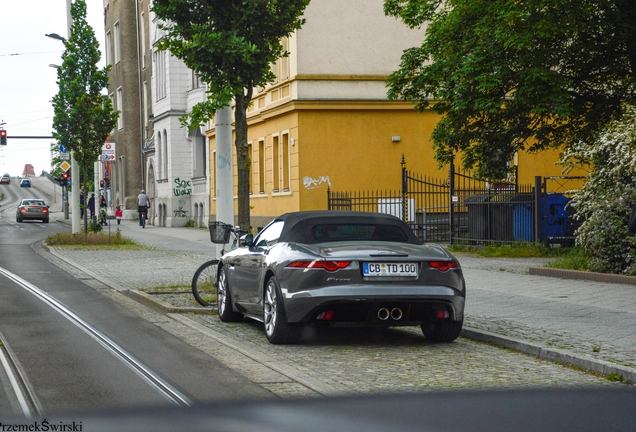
[223,299]
[277,329]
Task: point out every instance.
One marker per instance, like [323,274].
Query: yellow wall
[348,146]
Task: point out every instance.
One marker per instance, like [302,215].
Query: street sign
[108,151]
[62,149]
[64,156]
[65,166]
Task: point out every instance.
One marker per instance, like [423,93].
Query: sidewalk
[587,324]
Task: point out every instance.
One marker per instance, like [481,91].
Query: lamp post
[75,210]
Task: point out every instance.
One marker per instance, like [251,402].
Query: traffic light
[3,137]
[107,183]
[66,179]
[101,183]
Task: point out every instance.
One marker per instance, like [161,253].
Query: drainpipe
[139,89]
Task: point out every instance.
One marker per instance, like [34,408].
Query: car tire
[277,329]
[442,331]
[18,220]
[45,220]
[224,299]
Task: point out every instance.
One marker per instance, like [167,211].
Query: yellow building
[327,123]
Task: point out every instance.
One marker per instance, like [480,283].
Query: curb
[628,374]
[551,354]
[582,275]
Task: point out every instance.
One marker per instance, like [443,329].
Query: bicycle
[204,281]
[142,217]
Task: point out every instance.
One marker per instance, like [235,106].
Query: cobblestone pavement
[328,361]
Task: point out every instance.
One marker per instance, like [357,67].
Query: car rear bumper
[362,303]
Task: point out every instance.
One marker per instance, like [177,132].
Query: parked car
[25,183]
[5,179]
[32,209]
[341,268]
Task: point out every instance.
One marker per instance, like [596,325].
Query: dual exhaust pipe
[395,314]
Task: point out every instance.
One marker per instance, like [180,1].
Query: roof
[298,225]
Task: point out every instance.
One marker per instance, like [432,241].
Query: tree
[230,45]
[605,201]
[513,75]
[83,117]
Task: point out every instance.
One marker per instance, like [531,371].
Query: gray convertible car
[341,268]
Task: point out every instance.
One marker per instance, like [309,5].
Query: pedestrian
[102,201]
[118,215]
[91,205]
[143,201]
[81,205]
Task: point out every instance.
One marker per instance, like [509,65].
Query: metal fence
[461,209]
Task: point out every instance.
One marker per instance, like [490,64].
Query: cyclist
[143,201]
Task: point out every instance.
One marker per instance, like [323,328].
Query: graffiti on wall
[179,211]
[313,183]
[183,187]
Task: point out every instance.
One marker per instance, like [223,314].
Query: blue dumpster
[554,220]
[523,218]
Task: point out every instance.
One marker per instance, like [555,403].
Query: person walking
[81,205]
[143,201]
[118,215]
[91,205]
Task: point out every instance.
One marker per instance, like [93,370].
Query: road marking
[142,370]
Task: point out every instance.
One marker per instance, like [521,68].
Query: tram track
[31,406]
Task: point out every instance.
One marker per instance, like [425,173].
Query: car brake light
[330,266]
[45,210]
[443,265]
[22,210]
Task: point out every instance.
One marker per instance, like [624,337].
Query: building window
[160,65]
[285,162]
[275,165]
[196,81]
[142,37]
[120,102]
[117,47]
[198,141]
[251,156]
[165,154]
[213,172]
[109,48]
[261,166]
[113,102]
[159,147]
[145,108]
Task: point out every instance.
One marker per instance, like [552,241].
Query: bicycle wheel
[204,283]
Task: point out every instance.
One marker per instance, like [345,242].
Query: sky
[27,83]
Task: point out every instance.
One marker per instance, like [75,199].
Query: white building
[178,180]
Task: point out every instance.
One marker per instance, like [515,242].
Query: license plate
[389,269]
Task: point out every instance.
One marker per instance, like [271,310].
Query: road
[78,349]
[197,355]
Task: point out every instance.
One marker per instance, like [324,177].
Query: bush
[606,200]
[66,239]
[604,234]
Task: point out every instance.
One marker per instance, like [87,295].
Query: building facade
[177,161]
[128,52]
[326,121]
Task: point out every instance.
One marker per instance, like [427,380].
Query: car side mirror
[247,240]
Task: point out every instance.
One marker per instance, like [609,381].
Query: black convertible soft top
[299,226]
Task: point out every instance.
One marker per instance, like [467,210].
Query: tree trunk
[243,161]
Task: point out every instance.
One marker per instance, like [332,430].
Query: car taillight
[443,265]
[45,210]
[330,266]
[22,210]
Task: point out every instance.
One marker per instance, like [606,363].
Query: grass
[570,258]
[92,239]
